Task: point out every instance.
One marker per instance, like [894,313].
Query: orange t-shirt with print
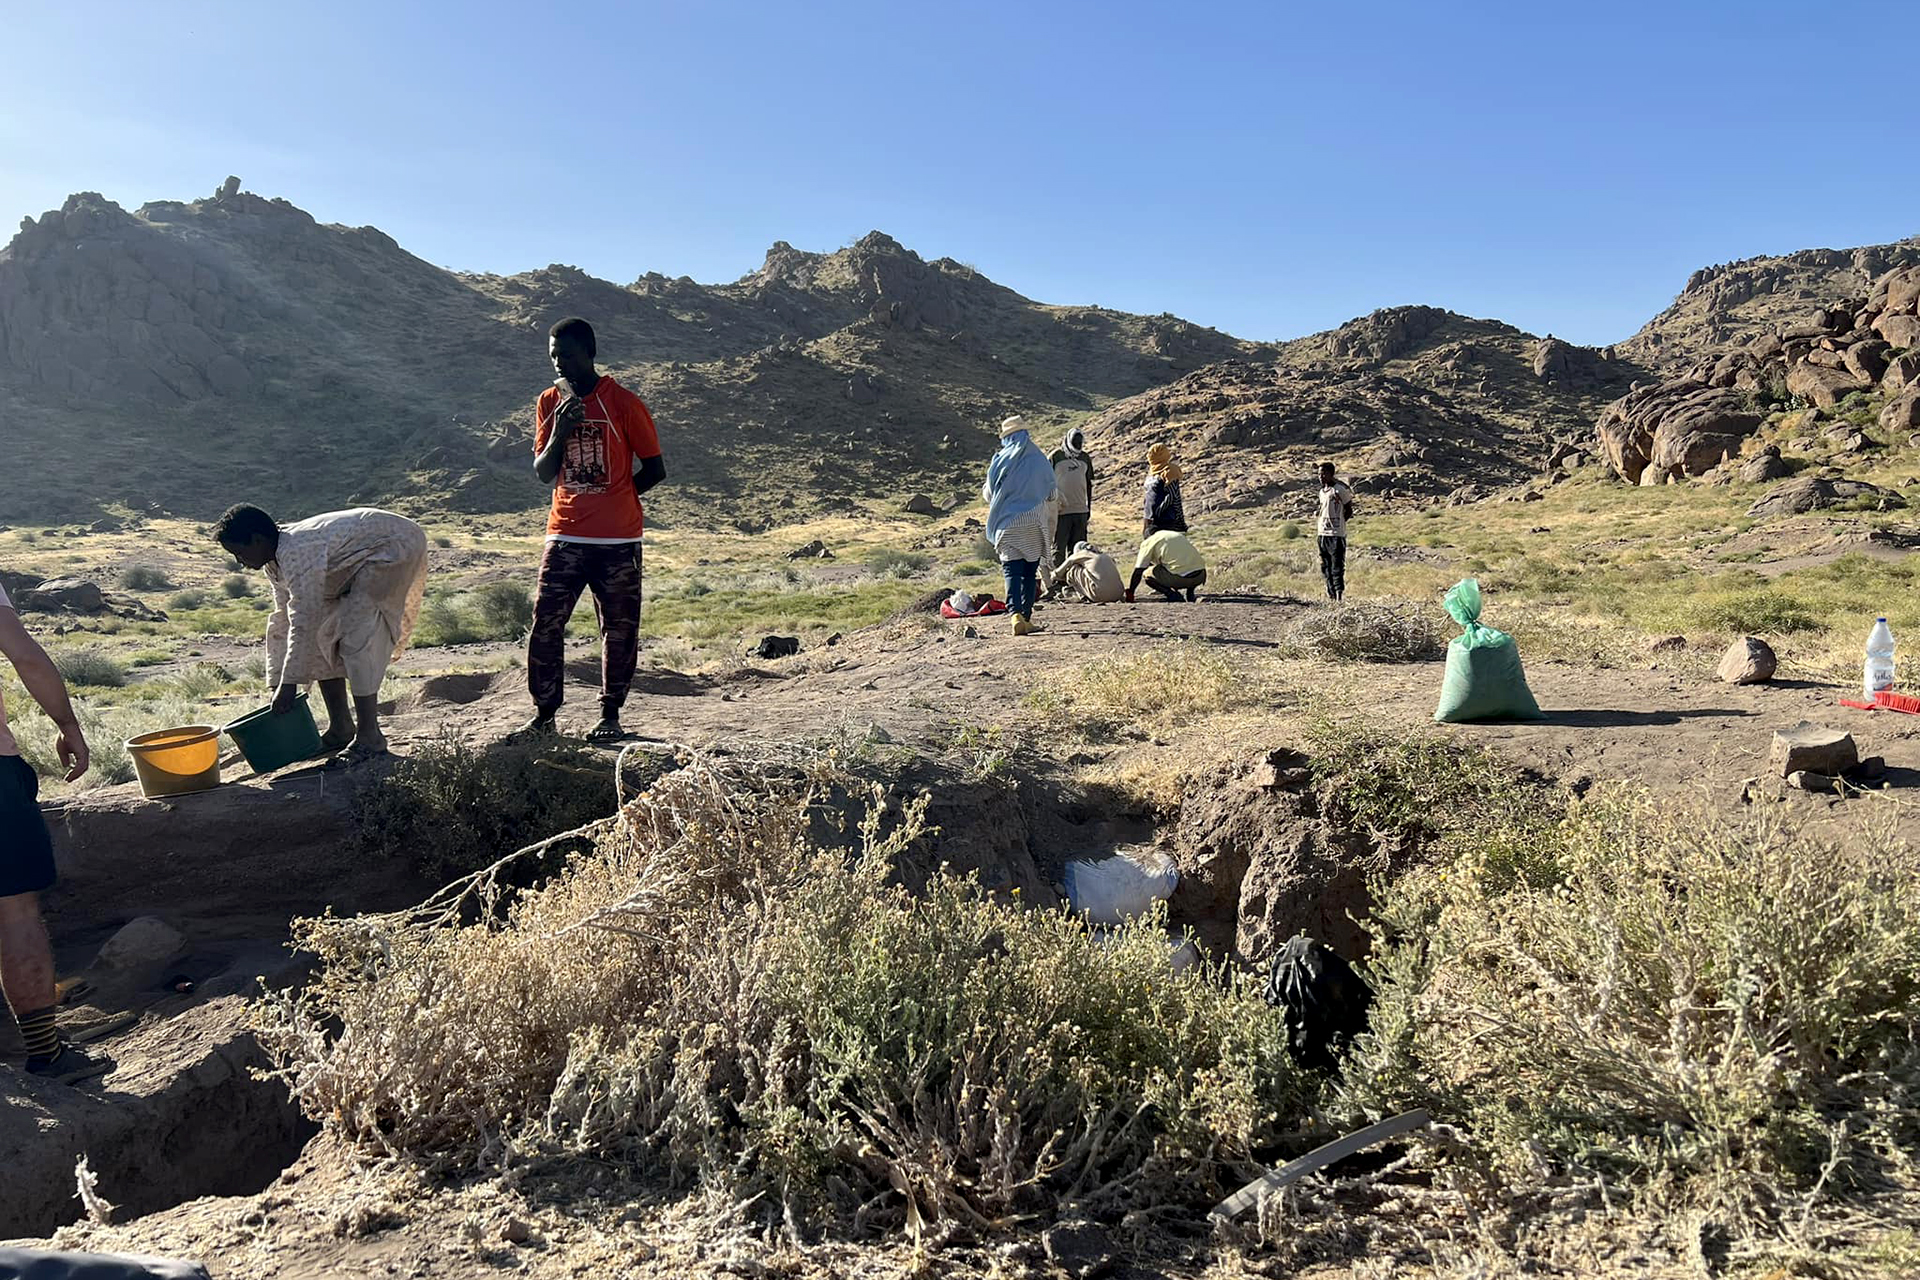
[593,496]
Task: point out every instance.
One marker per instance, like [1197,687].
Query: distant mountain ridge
[192,353]
[234,347]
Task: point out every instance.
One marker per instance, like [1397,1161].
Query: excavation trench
[186,1116]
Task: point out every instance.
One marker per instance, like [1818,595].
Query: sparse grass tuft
[1159,687]
[889,563]
[145,577]
[90,665]
[237,586]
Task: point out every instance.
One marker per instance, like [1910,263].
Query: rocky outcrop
[1681,428]
[1254,434]
[1687,426]
[1726,307]
[1385,334]
[1813,493]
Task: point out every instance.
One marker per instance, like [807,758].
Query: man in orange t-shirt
[594,442]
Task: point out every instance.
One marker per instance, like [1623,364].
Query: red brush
[1889,701]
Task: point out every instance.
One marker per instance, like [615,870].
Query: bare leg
[367,739]
[339,714]
[26,958]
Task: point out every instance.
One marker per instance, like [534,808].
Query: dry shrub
[1367,632]
[1718,1016]
[1166,685]
[451,807]
[717,993]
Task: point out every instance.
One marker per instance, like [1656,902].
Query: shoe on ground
[70,1065]
[1022,625]
[538,727]
[608,730]
[1191,595]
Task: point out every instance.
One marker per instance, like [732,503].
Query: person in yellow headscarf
[1162,507]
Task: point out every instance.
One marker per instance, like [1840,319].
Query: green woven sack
[1484,680]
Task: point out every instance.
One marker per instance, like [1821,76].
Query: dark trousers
[1068,531]
[1333,565]
[1022,584]
[612,572]
[1171,585]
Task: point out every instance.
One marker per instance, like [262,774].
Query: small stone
[1667,644]
[142,943]
[1804,780]
[1811,748]
[1748,660]
[515,1231]
[1081,1249]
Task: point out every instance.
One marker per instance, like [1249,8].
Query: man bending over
[346,592]
[594,442]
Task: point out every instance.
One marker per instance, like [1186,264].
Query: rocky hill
[190,353]
[1413,402]
[1727,306]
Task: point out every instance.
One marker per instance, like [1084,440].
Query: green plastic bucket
[272,742]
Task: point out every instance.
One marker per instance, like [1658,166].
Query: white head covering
[1010,425]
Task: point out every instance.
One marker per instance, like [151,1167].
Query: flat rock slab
[1812,748]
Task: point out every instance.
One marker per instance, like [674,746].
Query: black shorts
[26,846]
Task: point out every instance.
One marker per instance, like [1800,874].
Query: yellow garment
[1160,462]
[1171,550]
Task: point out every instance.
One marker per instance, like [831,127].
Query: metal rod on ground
[1318,1158]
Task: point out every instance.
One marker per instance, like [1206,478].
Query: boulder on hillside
[1812,493]
[1899,331]
[1867,360]
[919,505]
[1674,428]
[1821,385]
[16,584]
[1902,292]
[815,550]
[1749,660]
[1902,413]
[66,595]
[1764,467]
[1902,371]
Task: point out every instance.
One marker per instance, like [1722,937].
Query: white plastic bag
[1110,890]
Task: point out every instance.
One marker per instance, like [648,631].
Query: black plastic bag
[1324,1000]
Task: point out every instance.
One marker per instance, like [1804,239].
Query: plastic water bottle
[1878,676]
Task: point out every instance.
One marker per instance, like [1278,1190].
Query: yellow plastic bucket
[173,762]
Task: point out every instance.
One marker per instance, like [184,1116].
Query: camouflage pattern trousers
[612,572]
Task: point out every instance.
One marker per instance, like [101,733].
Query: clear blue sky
[1272,169]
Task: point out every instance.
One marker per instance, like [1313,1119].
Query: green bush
[188,600]
[889,563]
[145,577]
[505,609]
[1704,1012]
[496,611]
[1290,530]
[90,665]
[237,586]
